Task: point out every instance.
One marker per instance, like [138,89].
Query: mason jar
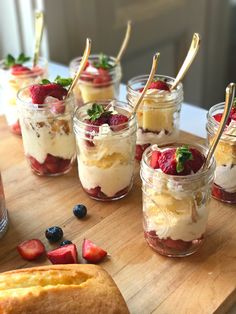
[3,211]
[224,187]
[175,208]
[158,114]
[47,134]
[105,156]
[94,86]
[11,83]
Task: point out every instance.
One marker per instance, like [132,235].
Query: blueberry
[65,242]
[54,234]
[80,211]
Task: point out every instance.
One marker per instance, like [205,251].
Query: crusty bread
[59,289]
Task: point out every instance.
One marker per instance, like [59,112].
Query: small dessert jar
[175,208]
[224,187]
[105,155]
[3,211]
[12,81]
[47,134]
[96,84]
[158,114]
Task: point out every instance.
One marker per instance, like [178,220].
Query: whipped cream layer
[156,138]
[44,135]
[111,180]
[225,177]
[109,163]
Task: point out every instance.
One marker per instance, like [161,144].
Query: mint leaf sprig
[64,82]
[9,60]
[103,62]
[97,111]
[182,154]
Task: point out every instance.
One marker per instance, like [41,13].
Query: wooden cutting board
[150,283]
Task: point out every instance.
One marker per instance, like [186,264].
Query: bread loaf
[60,289]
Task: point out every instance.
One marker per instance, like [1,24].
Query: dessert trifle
[159,112]
[45,114]
[176,191]
[16,73]
[99,81]
[105,136]
[224,188]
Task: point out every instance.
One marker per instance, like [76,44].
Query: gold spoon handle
[39,24]
[229,99]
[195,44]
[150,78]
[124,43]
[81,66]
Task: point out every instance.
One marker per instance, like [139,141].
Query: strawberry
[64,165]
[95,192]
[19,69]
[66,254]
[161,85]
[51,163]
[16,128]
[39,92]
[58,107]
[118,122]
[218,118]
[35,165]
[181,161]
[178,245]
[154,162]
[91,252]
[31,249]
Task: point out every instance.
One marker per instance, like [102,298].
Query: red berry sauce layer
[97,194]
[51,166]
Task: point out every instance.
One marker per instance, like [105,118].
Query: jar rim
[126,105]
[191,177]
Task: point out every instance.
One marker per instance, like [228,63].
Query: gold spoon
[195,44]
[81,66]
[150,78]
[229,99]
[39,24]
[124,43]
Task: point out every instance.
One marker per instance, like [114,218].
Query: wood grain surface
[202,283]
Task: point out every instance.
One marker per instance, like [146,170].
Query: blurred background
[158,25]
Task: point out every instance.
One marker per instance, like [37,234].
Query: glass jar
[12,83]
[47,134]
[91,85]
[3,211]
[224,188]
[175,208]
[158,114]
[105,156]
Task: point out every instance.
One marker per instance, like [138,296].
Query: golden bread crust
[70,289]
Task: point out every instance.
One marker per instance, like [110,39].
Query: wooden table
[150,283]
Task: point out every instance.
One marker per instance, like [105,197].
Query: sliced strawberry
[95,192]
[92,253]
[218,117]
[66,254]
[154,161]
[52,163]
[197,160]
[31,249]
[118,122]
[35,165]
[167,161]
[19,69]
[233,116]
[161,85]
[64,165]
[178,245]
[39,92]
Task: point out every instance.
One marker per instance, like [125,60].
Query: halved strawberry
[154,161]
[197,160]
[19,69]
[161,85]
[118,122]
[52,163]
[39,92]
[95,192]
[66,254]
[35,165]
[31,249]
[91,252]
[178,245]
[139,151]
